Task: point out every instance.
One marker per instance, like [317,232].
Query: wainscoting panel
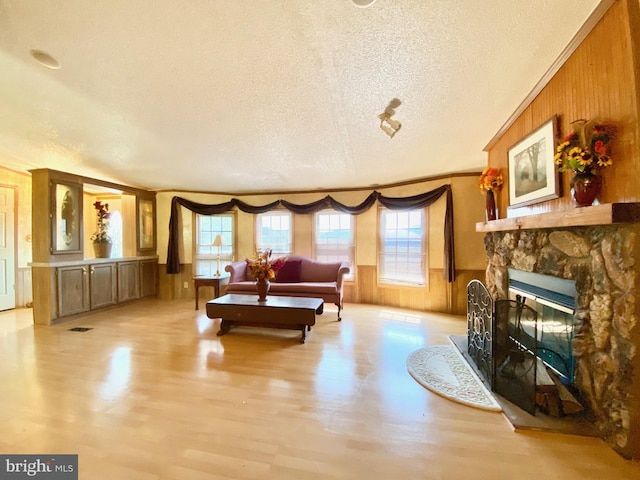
[459,293]
[440,296]
[172,287]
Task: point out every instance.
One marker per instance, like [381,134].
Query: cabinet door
[128,281]
[148,278]
[73,290]
[102,281]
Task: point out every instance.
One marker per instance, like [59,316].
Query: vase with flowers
[101,240]
[490,181]
[584,151]
[262,269]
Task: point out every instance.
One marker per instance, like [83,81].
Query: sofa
[299,277]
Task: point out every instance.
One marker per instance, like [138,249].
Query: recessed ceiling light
[363,3]
[43,58]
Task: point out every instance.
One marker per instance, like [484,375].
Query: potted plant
[101,240]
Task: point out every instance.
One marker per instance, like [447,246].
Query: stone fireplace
[599,252]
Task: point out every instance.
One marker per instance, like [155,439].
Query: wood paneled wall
[172,287]
[598,81]
[440,296]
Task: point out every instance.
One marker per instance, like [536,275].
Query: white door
[7,250]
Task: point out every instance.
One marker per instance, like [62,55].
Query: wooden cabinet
[149,278]
[72,289]
[66,281]
[128,281]
[102,282]
[80,287]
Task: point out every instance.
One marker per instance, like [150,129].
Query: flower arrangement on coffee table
[262,267]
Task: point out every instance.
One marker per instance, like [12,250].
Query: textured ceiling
[264,95]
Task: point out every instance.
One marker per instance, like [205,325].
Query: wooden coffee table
[292,313]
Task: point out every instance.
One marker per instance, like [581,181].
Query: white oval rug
[443,370]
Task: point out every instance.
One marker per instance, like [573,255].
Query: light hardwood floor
[152,393]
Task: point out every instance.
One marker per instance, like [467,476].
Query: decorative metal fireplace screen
[480,329]
[515,366]
[511,341]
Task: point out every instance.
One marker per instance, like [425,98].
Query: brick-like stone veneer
[601,260]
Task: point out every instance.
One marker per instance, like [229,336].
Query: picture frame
[66,217]
[532,172]
[146,224]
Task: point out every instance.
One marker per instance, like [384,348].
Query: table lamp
[217,242]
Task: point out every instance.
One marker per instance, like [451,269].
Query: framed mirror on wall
[146,224]
[66,216]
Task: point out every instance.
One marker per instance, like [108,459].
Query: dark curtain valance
[416,201]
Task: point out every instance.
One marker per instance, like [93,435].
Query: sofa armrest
[342,271]
[237,271]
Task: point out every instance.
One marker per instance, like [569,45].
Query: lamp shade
[217,242]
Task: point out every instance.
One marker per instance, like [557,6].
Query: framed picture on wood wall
[66,228]
[532,173]
[146,230]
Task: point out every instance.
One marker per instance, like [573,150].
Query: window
[115,232]
[402,257]
[273,230]
[334,239]
[205,261]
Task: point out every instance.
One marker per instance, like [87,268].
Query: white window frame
[205,255]
[407,264]
[275,219]
[327,247]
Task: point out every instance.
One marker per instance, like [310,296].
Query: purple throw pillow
[290,272]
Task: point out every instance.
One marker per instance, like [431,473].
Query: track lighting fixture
[389,125]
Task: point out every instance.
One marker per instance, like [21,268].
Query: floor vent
[79,329]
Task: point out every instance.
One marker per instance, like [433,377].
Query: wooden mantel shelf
[605,214]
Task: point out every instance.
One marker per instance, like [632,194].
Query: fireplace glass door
[553,299]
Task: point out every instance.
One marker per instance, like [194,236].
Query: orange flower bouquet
[490,180]
[262,267]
